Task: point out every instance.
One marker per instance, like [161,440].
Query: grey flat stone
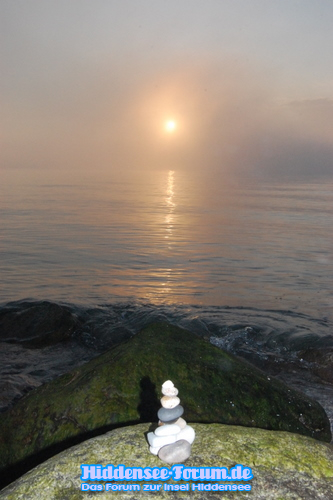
[169,414]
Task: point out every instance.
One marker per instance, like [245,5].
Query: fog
[230,120]
[70,104]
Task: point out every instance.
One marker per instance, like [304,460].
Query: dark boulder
[320,361]
[37,324]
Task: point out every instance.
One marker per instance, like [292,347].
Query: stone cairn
[173,438]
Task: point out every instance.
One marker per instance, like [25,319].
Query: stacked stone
[173,438]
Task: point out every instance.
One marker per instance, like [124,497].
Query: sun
[170,126]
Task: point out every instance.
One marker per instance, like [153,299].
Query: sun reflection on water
[169,218]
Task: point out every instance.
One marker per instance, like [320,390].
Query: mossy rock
[121,387]
[284,466]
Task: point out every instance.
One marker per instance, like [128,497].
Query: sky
[89,86]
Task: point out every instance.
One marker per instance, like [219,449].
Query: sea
[248,265]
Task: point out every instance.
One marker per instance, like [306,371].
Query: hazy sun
[170,125]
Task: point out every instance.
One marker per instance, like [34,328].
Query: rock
[187,433]
[166,430]
[37,324]
[175,453]
[170,401]
[180,422]
[104,393]
[284,465]
[159,441]
[168,389]
[153,450]
[321,362]
[167,415]
[171,453]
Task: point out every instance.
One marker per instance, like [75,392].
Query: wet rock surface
[321,362]
[36,325]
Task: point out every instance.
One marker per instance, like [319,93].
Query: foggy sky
[87,85]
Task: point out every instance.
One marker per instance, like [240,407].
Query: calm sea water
[167,237]
[249,265]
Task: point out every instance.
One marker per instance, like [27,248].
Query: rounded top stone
[169,389]
[168,384]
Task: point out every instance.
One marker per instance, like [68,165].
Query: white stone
[168,389]
[170,392]
[155,450]
[167,384]
[188,433]
[167,430]
[158,441]
[170,401]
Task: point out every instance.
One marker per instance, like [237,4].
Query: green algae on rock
[284,465]
[120,387]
